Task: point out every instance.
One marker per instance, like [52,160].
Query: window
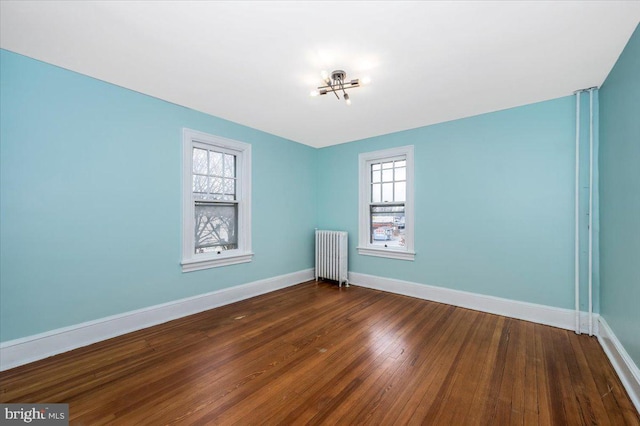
[216,201]
[386,203]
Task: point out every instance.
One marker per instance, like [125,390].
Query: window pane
[387,225]
[401,173]
[199,184]
[387,192]
[229,165]
[400,191]
[401,163]
[230,187]
[387,175]
[375,193]
[216,187]
[375,176]
[216,226]
[199,161]
[215,163]
[375,166]
[388,165]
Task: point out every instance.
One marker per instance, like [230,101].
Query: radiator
[331,256]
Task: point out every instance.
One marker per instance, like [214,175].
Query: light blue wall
[90,215]
[620,198]
[91,204]
[494,203]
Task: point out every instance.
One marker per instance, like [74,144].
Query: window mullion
[393,182]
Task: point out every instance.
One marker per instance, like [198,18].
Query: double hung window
[216,201]
[386,203]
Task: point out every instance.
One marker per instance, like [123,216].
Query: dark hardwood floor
[318,354]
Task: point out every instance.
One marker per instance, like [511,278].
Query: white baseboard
[623,364]
[541,314]
[21,351]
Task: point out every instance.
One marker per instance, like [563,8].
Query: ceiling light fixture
[335,84]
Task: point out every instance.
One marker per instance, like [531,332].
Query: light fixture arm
[323,90]
[342,87]
[337,83]
[328,81]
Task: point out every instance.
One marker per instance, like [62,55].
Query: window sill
[199,264]
[388,253]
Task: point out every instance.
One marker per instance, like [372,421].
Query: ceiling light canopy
[335,84]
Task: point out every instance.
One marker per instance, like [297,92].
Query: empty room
[341,213]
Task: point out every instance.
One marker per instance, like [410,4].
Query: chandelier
[337,83]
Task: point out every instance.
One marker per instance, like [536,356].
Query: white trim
[194,262]
[590,276]
[197,265]
[623,364]
[541,314]
[21,351]
[576,248]
[364,245]
[389,253]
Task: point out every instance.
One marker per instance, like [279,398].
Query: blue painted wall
[91,204]
[620,197]
[494,203]
[91,201]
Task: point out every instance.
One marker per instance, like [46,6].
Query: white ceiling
[255,63]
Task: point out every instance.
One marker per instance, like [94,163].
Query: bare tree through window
[216,209]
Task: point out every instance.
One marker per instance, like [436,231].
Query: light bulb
[346,98]
[365,80]
[314,93]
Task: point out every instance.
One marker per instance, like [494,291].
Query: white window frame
[190,260]
[364,242]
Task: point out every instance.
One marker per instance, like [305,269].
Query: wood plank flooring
[318,354]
